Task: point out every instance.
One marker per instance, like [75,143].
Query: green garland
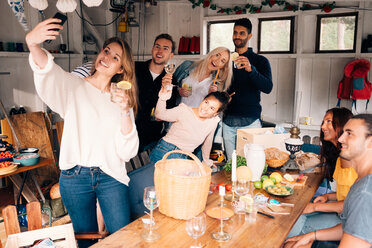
[250,8]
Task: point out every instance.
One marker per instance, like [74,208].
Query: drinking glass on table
[251,208]
[151,202]
[242,187]
[195,228]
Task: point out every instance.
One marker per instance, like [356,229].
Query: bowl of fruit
[6,156]
[27,159]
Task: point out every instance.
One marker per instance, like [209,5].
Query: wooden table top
[43,162]
[265,232]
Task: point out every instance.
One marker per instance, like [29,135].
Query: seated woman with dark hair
[324,211]
[191,127]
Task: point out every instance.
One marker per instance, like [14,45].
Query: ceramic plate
[279,190]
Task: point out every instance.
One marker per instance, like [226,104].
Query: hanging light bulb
[66,5]
[92,3]
[123,24]
[39,4]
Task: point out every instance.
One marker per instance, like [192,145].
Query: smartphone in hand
[63,19]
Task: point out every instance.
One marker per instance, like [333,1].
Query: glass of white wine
[170,68]
[151,202]
[195,228]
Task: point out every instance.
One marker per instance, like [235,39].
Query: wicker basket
[181,197]
[277,162]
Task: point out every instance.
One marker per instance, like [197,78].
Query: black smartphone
[63,19]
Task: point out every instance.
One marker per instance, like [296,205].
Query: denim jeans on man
[229,136]
[81,187]
[162,148]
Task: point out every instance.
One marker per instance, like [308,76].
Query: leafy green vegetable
[240,161]
[265,169]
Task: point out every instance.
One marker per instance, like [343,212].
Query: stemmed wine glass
[195,227]
[170,68]
[242,187]
[151,202]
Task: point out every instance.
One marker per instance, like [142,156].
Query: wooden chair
[34,221]
[62,236]
[35,230]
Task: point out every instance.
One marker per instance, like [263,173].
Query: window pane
[275,36]
[337,33]
[220,34]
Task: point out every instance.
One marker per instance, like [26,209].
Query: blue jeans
[229,136]
[81,187]
[162,148]
[307,223]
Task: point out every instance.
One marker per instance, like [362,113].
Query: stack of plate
[9,169]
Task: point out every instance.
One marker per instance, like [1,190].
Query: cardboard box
[258,136]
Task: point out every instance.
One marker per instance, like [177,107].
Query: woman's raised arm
[42,32]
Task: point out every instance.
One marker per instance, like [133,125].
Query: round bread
[54,192]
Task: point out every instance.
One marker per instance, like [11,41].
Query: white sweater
[91,133]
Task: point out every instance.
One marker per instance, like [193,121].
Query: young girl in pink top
[191,127]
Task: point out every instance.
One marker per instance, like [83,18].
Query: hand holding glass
[195,227]
[117,93]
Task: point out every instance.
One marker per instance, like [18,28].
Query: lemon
[246,198]
[234,56]
[257,184]
[264,177]
[125,85]
[186,86]
[288,177]
[277,176]
[243,173]
[266,183]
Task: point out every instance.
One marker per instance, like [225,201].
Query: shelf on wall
[303,127]
[25,54]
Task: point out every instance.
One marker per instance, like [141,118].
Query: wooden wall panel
[305,71]
[319,89]
[269,101]
[286,89]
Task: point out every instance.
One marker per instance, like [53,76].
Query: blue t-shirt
[357,213]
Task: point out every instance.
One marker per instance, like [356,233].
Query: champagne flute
[195,228]
[151,202]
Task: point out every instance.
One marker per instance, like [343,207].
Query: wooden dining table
[265,232]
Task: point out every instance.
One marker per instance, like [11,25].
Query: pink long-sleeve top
[187,131]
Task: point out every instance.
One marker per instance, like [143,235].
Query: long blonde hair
[225,74]
[128,73]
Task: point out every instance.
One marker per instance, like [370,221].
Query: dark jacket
[148,89]
[245,106]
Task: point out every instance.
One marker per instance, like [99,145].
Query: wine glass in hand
[170,67]
[195,227]
[151,202]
